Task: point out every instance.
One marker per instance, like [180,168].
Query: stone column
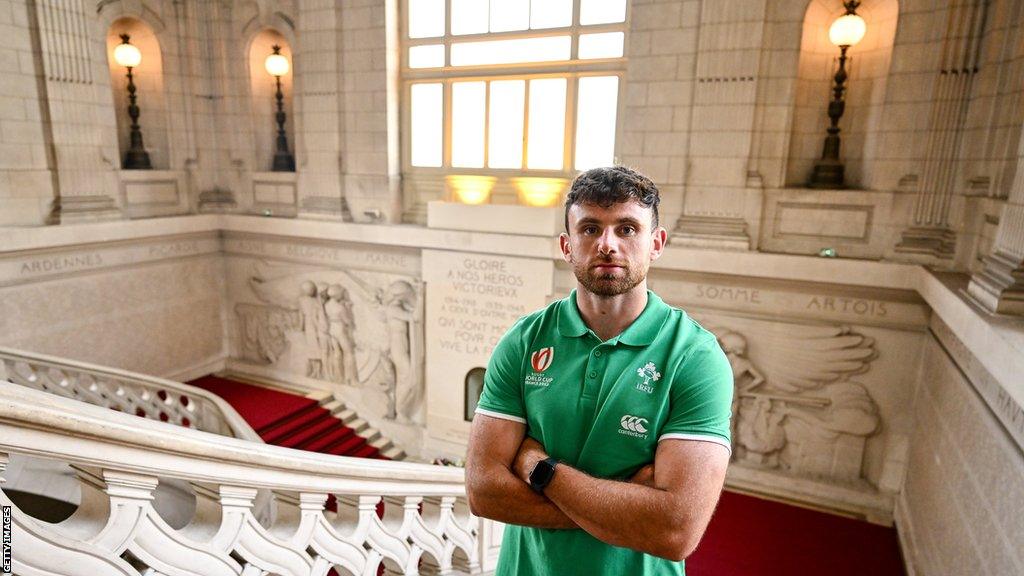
[999,286]
[320,186]
[76,112]
[721,194]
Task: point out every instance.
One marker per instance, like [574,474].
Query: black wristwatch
[542,474]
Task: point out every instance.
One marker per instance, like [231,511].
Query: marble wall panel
[152,306]
[961,509]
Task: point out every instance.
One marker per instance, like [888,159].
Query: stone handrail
[123,391]
[326,507]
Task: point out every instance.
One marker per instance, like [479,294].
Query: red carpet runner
[289,420]
[753,537]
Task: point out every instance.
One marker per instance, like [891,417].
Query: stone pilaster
[320,189]
[83,157]
[721,196]
[999,286]
[370,83]
[931,232]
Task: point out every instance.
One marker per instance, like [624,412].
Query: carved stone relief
[797,411]
[355,328]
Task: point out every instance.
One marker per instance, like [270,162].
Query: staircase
[318,422]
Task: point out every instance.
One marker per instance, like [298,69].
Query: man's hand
[644,476]
[530,453]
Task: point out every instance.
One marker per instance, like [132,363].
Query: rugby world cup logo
[541,359]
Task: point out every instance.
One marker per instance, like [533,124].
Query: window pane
[469,16]
[430,56]
[509,15]
[427,114]
[511,51]
[601,45]
[426,18]
[468,124]
[505,117]
[550,13]
[602,11]
[547,124]
[595,121]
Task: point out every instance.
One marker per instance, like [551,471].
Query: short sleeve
[701,399]
[502,396]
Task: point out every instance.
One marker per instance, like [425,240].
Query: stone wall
[962,506]
[152,306]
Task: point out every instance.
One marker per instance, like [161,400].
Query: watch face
[542,474]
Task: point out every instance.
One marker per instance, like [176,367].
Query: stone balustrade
[122,391]
[328,511]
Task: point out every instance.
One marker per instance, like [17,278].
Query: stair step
[365,451]
[358,425]
[382,443]
[394,453]
[346,447]
[334,406]
[321,396]
[309,433]
[287,424]
[337,434]
[346,415]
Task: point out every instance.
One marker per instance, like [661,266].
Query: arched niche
[149,85]
[867,67]
[263,88]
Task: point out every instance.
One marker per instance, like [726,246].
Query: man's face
[612,248]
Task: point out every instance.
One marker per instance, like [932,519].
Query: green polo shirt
[602,407]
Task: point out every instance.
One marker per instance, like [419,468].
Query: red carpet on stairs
[753,537]
[284,419]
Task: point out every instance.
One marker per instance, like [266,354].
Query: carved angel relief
[339,326]
[798,411]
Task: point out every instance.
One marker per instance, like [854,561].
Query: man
[602,434]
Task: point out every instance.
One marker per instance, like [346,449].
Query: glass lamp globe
[127,55]
[847,30]
[276,65]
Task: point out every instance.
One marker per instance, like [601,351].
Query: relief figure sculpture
[798,411]
[399,304]
[339,362]
[314,326]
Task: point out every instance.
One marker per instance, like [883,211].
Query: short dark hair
[607,186]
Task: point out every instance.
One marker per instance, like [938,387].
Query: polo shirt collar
[641,332]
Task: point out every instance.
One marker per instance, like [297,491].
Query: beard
[607,284]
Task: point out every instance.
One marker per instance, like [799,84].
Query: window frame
[572,70]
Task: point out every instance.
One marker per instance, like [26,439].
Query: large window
[514,85]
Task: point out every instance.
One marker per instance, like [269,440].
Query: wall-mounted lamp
[129,56]
[277,66]
[846,31]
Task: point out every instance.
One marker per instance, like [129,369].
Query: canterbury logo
[541,359]
[634,424]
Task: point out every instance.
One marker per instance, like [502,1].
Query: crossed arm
[663,510]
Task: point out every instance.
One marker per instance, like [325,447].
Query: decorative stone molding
[999,287]
[117,531]
[127,392]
